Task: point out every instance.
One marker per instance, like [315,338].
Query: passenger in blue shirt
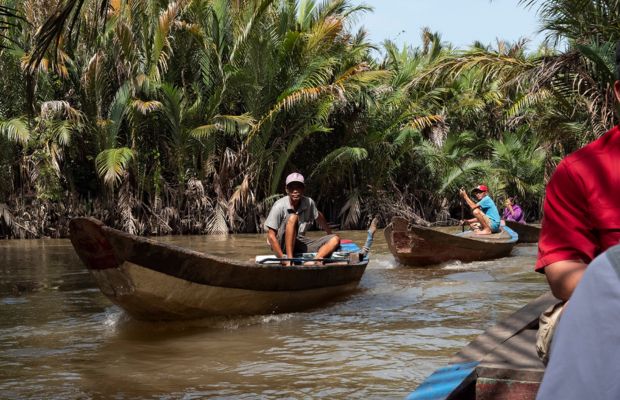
[486,217]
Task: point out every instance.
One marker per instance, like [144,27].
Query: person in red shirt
[581,211]
[581,216]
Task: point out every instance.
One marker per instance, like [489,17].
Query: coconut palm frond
[117,112]
[62,131]
[127,42]
[204,131]
[324,32]
[247,29]
[232,124]
[242,196]
[217,225]
[162,49]
[51,32]
[60,109]
[425,121]
[458,175]
[352,210]
[146,106]
[342,156]
[112,164]
[228,124]
[15,130]
[9,18]
[528,100]
[317,73]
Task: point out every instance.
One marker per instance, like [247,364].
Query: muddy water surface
[60,338]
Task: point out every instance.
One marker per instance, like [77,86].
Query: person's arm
[469,201]
[563,277]
[323,223]
[517,212]
[567,240]
[272,238]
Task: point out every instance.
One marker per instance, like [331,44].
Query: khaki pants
[546,327]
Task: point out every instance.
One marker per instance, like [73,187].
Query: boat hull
[417,246]
[527,233]
[157,281]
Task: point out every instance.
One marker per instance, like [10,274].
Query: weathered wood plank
[524,318]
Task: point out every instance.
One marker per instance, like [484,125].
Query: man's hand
[462,193]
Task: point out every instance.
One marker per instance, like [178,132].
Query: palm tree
[518,167]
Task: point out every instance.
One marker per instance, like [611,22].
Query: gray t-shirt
[306,211]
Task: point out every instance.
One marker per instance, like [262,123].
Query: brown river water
[60,338]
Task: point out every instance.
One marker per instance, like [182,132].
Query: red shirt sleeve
[567,232]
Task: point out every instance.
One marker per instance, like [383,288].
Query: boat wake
[121,323]
[467,266]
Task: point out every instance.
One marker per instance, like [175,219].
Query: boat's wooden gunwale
[201,268]
[528,233]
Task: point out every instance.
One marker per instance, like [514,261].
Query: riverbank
[33,219]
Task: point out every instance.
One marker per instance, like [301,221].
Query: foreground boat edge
[475,373]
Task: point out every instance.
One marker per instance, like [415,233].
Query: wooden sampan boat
[158,281]
[419,246]
[527,233]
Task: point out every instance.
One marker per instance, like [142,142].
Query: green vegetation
[183,117]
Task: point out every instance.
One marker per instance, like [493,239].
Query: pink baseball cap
[295,177]
[480,188]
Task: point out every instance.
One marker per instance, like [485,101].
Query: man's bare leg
[327,249]
[290,235]
[486,228]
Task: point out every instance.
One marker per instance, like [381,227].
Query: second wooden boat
[528,233]
[157,281]
[419,246]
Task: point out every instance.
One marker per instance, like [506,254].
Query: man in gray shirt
[289,219]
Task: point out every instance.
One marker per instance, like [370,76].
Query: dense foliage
[184,116]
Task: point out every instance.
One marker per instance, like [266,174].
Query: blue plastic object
[443,382]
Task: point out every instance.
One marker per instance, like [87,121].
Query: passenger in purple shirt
[513,212]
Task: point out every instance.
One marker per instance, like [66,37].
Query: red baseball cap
[480,188]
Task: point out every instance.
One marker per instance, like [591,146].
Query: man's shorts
[494,225]
[303,244]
